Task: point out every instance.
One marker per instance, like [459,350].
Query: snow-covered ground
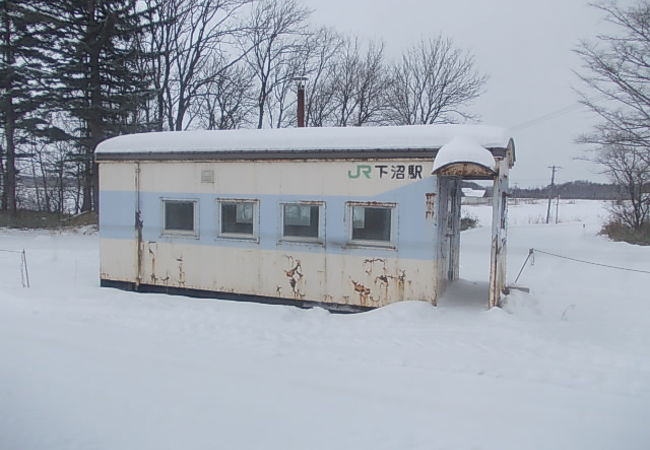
[566,367]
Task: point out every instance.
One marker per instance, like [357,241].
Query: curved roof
[463,149]
[230,143]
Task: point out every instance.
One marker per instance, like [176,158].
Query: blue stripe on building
[416,236]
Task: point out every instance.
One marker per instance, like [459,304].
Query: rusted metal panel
[382,282]
[466,169]
[454,230]
[320,275]
[295,277]
[498,236]
[369,282]
[429,205]
[138,227]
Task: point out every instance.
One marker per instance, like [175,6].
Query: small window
[180,217]
[301,221]
[372,224]
[238,218]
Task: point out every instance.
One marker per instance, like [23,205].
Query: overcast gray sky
[525,46]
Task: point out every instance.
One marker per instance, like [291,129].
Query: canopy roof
[466,152]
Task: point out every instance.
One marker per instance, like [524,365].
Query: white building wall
[332,271]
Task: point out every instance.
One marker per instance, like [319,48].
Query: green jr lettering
[362,169]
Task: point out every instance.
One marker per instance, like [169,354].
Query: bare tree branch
[616,68]
[432,83]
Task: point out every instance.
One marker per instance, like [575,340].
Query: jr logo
[362,169]
[387,171]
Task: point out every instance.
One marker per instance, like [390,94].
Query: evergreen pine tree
[23,64]
[99,84]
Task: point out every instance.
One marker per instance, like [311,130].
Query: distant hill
[585,190]
[582,190]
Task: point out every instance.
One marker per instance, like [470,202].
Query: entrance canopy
[464,157]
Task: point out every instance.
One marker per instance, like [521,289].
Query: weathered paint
[429,205]
[275,274]
[499,232]
[331,270]
[467,170]
[420,260]
[308,178]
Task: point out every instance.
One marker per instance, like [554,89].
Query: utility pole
[551,191]
[515,192]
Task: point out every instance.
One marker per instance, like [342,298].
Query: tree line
[579,190]
[574,190]
[75,72]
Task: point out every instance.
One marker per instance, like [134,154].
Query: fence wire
[531,257]
[590,262]
[24,272]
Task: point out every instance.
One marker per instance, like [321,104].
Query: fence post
[24,264]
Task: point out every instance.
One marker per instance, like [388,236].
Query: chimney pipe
[301,100]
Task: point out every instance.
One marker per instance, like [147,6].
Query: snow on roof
[469,192]
[304,139]
[463,149]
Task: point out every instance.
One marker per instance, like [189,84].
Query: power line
[545,117]
[555,113]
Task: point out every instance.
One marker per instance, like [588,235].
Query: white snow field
[565,367]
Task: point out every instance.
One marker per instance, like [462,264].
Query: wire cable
[591,262]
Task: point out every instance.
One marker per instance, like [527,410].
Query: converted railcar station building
[345,218]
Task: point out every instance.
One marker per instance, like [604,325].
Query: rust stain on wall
[429,206]
[384,283]
[381,285]
[152,254]
[181,272]
[363,291]
[401,278]
[465,169]
[295,276]
[368,264]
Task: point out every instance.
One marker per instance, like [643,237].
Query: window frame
[194,233]
[238,236]
[391,243]
[320,239]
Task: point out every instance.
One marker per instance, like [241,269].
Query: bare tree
[629,168]
[616,76]
[319,67]
[345,83]
[281,111]
[275,37]
[358,84]
[432,83]
[370,86]
[226,101]
[187,37]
